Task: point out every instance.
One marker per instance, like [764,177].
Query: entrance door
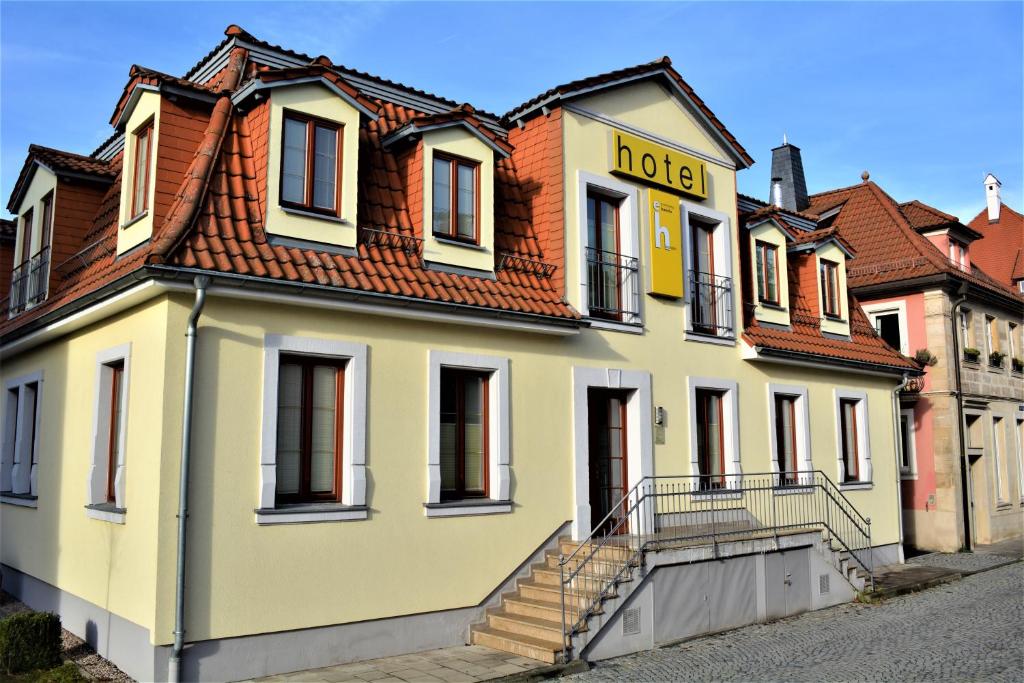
[608,477]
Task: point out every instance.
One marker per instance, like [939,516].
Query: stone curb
[544,673]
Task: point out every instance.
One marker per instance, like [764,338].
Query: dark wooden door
[608,474]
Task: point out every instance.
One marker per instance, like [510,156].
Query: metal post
[561,585]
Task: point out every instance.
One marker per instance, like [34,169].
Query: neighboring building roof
[659,68]
[889,248]
[57,161]
[8,232]
[1000,251]
[925,218]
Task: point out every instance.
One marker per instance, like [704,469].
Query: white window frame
[723,267]
[499,475]
[639,449]
[1018,424]
[353,455]
[96,486]
[803,430]
[730,427]
[910,472]
[866,478]
[629,241]
[998,423]
[897,307]
[18,479]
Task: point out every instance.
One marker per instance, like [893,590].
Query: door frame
[639,452]
[623,397]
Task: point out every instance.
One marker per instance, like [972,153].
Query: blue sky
[927,97]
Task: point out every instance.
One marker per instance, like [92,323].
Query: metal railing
[711,307]
[612,288]
[29,281]
[672,512]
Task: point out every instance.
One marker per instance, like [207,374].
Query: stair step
[594,566]
[544,629]
[523,646]
[612,552]
[543,573]
[544,609]
[552,594]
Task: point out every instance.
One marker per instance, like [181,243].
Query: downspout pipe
[965,494]
[201,283]
[899,454]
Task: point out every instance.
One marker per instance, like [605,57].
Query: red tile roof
[463,114]
[658,67]
[1000,251]
[57,161]
[321,69]
[140,75]
[889,249]
[923,217]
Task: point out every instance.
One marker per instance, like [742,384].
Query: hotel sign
[666,245]
[658,165]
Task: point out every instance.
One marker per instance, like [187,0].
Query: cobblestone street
[967,630]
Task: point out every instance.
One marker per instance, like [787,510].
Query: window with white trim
[790,425]
[853,447]
[709,300]
[312,454]
[20,455]
[890,322]
[714,431]
[468,435]
[908,444]
[1000,463]
[107,473]
[1020,458]
[609,254]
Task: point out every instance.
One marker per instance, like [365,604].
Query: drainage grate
[631,621]
[823,584]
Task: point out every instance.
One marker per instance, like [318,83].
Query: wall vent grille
[631,621]
[823,586]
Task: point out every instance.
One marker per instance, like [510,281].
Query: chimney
[776,197]
[789,169]
[992,186]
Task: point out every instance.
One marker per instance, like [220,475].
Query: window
[767,273]
[966,329]
[313,438]
[1013,345]
[309,429]
[888,327]
[463,434]
[710,438]
[1020,459]
[604,260]
[26,236]
[1002,467]
[140,172]
[785,438]
[829,272]
[106,485]
[849,439]
[19,457]
[46,225]
[455,203]
[958,254]
[908,452]
[311,154]
[992,340]
[468,435]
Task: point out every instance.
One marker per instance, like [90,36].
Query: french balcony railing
[29,282]
[613,290]
[711,304]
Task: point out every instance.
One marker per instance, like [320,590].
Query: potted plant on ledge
[995,359]
[1017,364]
[971,355]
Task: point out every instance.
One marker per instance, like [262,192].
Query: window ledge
[24,500]
[908,476]
[611,325]
[132,221]
[771,306]
[310,513]
[794,489]
[857,486]
[106,512]
[708,339]
[314,214]
[459,243]
[465,508]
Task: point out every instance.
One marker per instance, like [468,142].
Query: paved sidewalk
[451,665]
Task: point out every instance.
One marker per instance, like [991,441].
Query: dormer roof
[463,116]
[59,163]
[318,71]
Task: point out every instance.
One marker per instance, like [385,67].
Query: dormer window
[767,273]
[455,198]
[143,139]
[958,254]
[829,272]
[310,164]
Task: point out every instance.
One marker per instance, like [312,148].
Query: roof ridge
[891,207]
[848,188]
[85,157]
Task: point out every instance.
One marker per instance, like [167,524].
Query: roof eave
[256,85]
[780,355]
[410,130]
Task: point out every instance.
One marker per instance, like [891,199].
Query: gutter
[899,453]
[812,360]
[174,667]
[965,480]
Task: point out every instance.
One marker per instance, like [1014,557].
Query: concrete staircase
[528,622]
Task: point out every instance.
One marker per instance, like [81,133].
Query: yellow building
[596,350]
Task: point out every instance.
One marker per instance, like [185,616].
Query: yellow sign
[666,245]
[659,165]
